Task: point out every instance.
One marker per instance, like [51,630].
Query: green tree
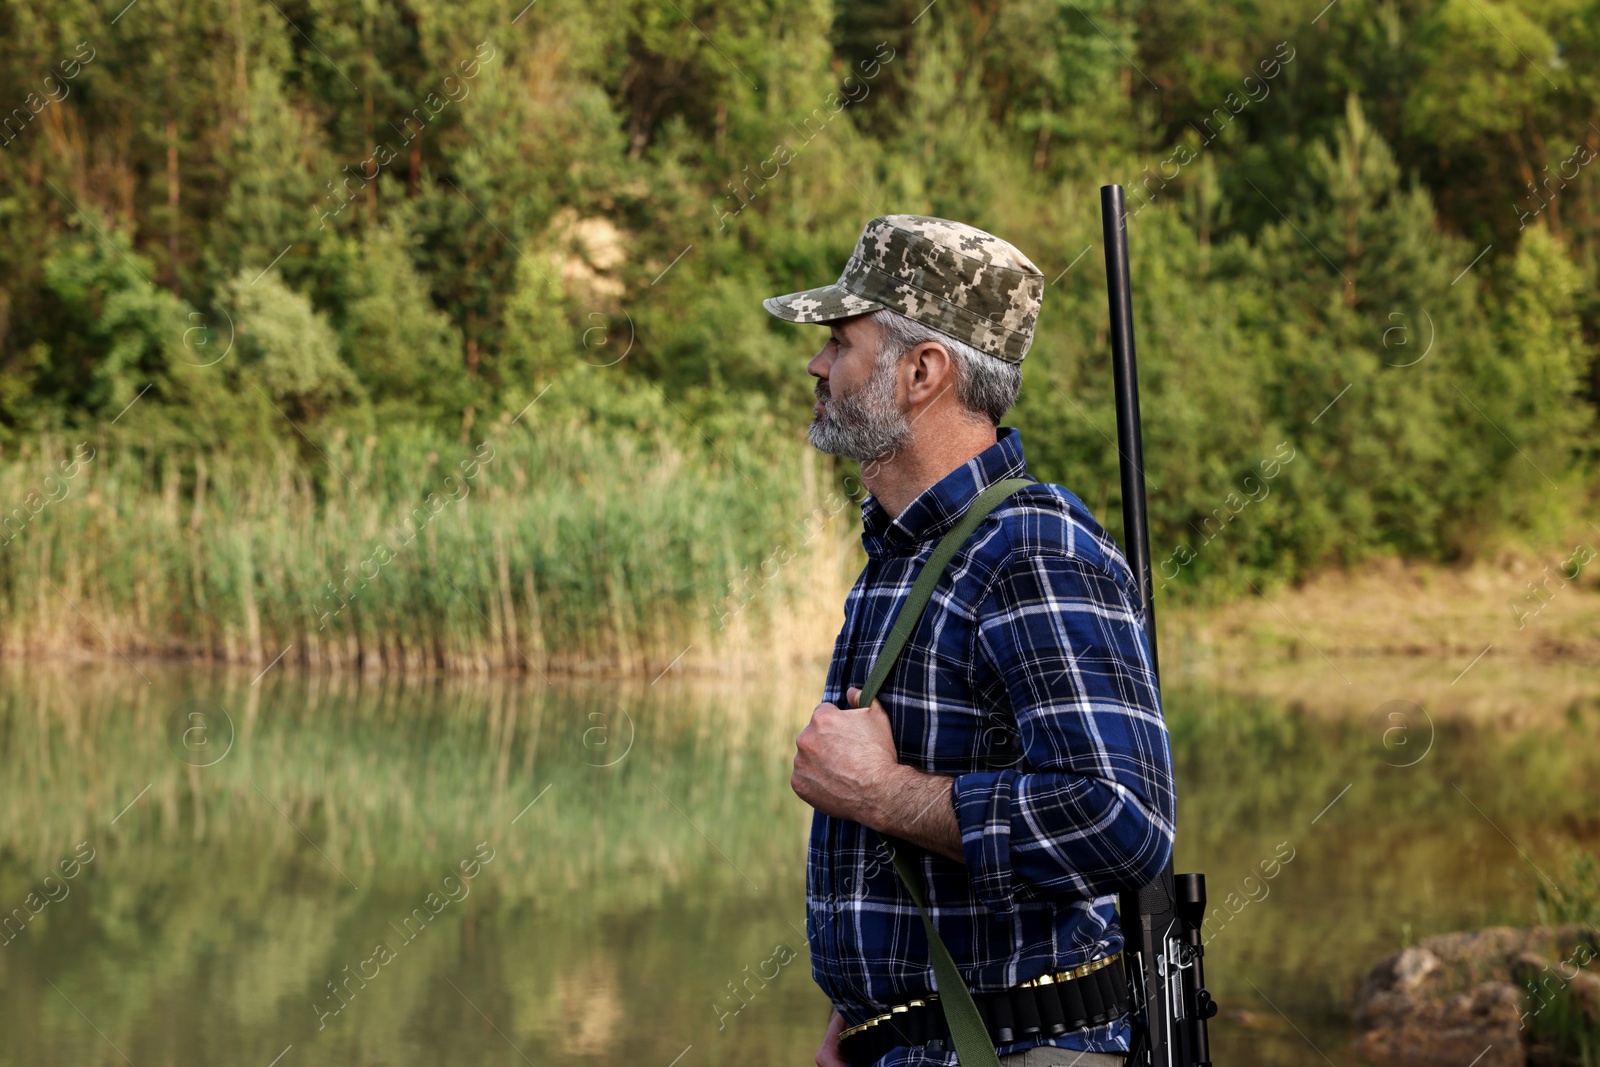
[405,352]
[289,351]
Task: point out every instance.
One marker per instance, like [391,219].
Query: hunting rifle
[1168,1001]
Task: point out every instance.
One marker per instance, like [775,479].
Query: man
[1018,740]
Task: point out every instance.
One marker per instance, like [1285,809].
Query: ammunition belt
[1047,1006]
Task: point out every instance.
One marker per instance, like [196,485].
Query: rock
[1459,998]
[1413,966]
[1586,989]
[587,254]
[1480,1027]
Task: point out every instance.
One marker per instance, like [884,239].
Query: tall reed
[527,548]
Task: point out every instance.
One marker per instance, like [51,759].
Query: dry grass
[574,556]
[1446,638]
[565,554]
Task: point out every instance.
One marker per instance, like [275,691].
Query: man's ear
[932,365]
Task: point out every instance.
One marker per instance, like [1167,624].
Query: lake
[200,868]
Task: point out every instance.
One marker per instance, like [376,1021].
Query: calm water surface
[278,873]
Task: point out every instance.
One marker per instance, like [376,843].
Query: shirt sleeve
[1089,807]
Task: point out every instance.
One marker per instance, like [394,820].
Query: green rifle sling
[971,1037]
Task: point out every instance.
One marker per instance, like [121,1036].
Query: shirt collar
[940,506]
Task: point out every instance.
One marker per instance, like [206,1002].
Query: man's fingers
[853,694]
[828,1054]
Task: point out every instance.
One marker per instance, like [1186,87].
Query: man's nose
[818,367]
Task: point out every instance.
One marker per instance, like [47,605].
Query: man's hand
[843,758]
[828,1054]
[845,765]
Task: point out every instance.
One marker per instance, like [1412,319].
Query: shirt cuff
[982,801]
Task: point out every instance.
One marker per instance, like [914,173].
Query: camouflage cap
[953,277]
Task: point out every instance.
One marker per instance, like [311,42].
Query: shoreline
[1438,637]
[1346,643]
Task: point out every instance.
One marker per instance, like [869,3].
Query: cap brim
[823,304]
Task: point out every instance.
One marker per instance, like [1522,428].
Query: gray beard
[865,426]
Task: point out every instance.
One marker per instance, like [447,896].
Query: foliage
[536,544]
[1369,240]
[1578,901]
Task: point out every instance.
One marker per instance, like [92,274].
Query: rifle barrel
[1135,521]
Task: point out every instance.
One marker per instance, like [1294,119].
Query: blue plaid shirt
[1028,681]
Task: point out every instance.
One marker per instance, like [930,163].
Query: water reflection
[354,870]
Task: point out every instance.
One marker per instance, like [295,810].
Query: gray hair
[985,386]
